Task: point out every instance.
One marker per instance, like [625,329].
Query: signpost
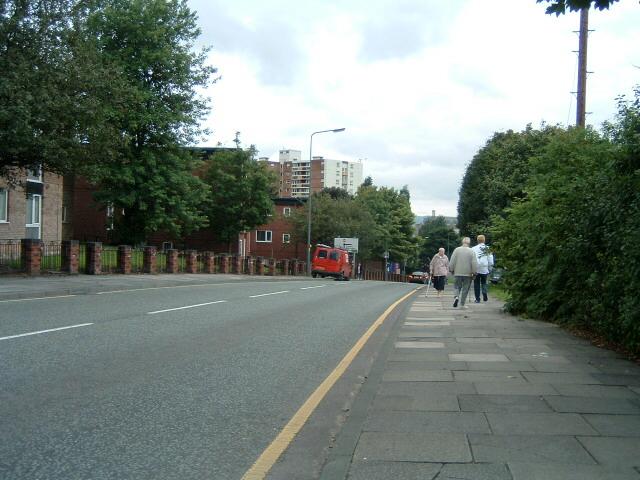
[351,246]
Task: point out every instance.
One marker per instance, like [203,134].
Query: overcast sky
[419,85]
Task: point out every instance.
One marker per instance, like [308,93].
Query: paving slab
[508,366]
[412,374]
[598,391]
[427,365]
[375,470]
[478,357]
[562,378]
[540,471]
[611,379]
[503,403]
[408,344]
[617,451]
[539,424]
[418,355]
[528,448]
[489,376]
[427,422]
[474,471]
[413,447]
[615,425]
[620,406]
[435,402]
[421,333]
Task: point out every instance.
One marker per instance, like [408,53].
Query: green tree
[333,217]
[148,44]
[391,211]
[559,7]
[435,233]
[336,192]
[496,177]
[54,89]
[242,191]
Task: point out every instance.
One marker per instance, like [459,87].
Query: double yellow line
[265,462]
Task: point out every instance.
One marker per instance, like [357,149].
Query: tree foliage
[559,7]
[148,44]
[570,246]
[54,88]
[391,211]
[435,233]
[496,177]
[241,192]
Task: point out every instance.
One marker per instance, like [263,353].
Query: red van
[331,262]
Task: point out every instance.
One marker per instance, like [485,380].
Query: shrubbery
[571,243]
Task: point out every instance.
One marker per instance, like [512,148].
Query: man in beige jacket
[463,265]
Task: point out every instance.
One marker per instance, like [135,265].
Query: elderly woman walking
[439,269]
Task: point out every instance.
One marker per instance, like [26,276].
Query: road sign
[349,244]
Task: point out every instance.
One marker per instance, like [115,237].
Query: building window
[110,216]
[286,238]
[264,236]
[286,211]
[33,215]
[34,175]
[65,214]
[4,205]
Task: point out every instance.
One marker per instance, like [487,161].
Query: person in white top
[485,265]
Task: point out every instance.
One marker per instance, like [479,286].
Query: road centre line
[160,288]
[266,294]
[185,307]
[268,458]
[308,288]
[36,298]
[45,331]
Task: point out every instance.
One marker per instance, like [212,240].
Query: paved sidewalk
[22,286]
[478,394]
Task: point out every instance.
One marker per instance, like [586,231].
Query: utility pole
[582,68]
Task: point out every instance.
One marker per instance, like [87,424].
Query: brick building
[34,208]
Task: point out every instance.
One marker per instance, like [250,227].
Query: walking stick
[428,285]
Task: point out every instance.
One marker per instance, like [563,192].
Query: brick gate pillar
[70,253]
[124,259]
[94,258]
[31,251]
[172,260]
[149,262]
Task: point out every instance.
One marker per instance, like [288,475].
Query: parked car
[496,275]
[331,262]
[418,277]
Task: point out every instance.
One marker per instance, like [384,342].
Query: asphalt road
[169,383]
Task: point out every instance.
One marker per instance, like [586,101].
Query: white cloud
[420,85]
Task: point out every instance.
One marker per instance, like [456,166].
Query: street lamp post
[334,130]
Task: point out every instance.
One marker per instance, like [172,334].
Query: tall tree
[335,217]
[241,192]
[148,45]
[53,89]
[497,175]
[435,233]
[391,210]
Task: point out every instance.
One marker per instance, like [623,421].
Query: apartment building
[294,174]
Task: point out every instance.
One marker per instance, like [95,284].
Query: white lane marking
[308,288]
[36,298]
[187,306]
[46,331]
[265,294]
[161,288]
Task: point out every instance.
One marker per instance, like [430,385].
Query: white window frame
[286,211]
[36,213]
[65,214]
[268,236]
[4,215]
[286,238]
[34,175]
[110,216]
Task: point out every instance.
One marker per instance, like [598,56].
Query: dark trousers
[480,282]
